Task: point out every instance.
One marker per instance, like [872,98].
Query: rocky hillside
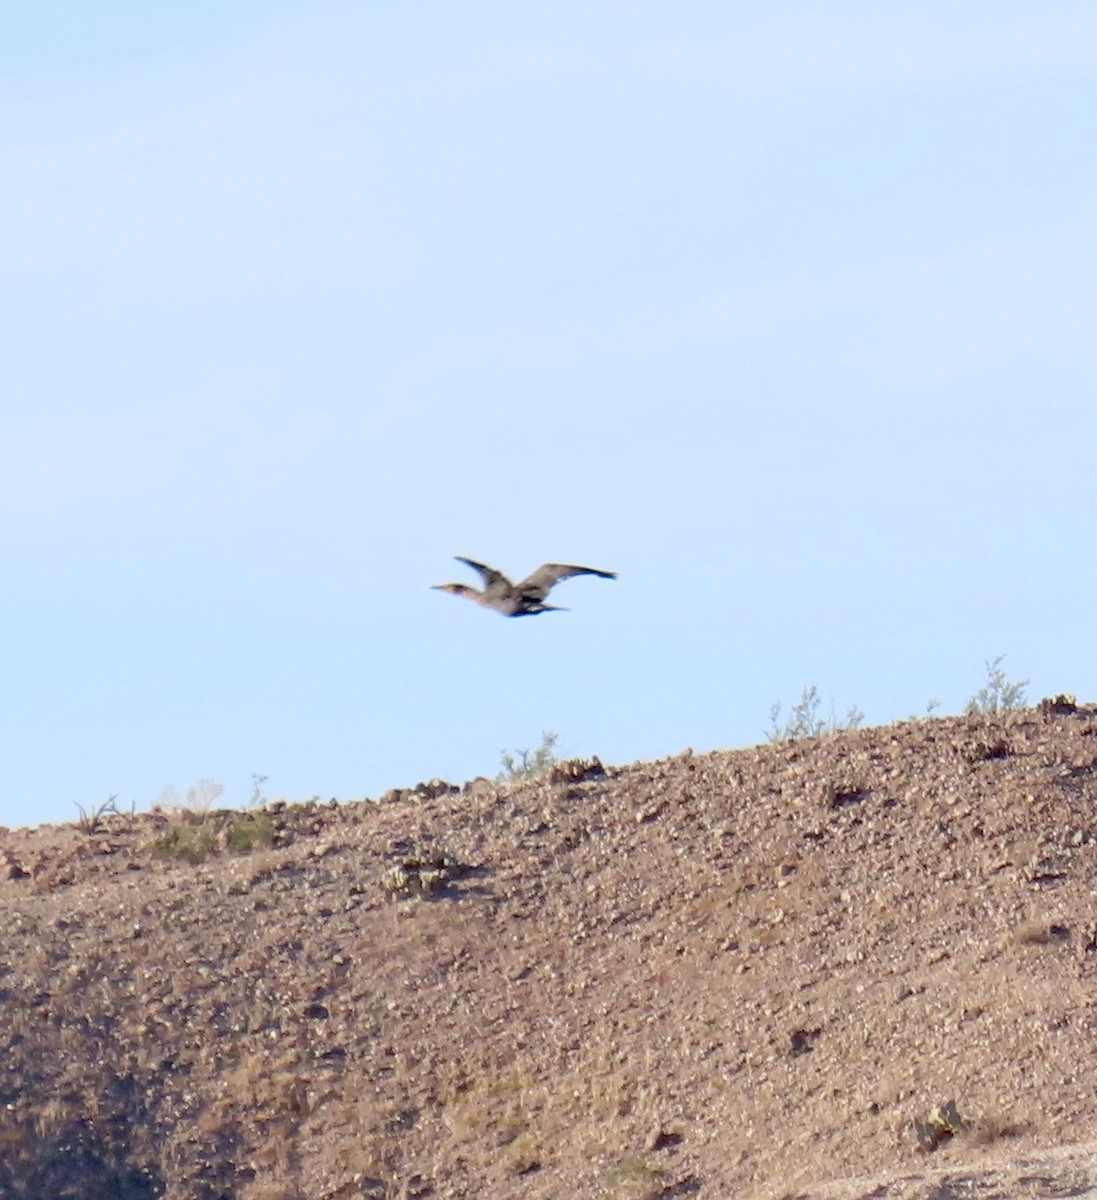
[858,965]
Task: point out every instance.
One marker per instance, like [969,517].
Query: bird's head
[455,589]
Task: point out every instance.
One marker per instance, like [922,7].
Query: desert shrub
[633,1177]
[190,842]
[804,720]
[249,830]
[257,799]
[194,837]
[90,819]
[998,694]
[529,764]
[199,799]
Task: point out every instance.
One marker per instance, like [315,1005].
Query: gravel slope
[738,974]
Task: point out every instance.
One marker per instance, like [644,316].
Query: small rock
[661,1139]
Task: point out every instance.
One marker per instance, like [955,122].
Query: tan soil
[739,974]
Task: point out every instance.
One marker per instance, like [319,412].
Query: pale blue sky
[783,312]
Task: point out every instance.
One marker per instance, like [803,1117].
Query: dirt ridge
[746,973]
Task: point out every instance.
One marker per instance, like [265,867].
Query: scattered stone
[422,876]
[647,955]
[661,1139]
[802,1041]
[942,1124]
[576,770]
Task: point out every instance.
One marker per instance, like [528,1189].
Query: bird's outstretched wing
[490,575]
[538,585]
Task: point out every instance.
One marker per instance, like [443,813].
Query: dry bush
[189,842]
[634,1178]
[196,836]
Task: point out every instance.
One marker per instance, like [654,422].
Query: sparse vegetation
[804,720]
[523,1154]
[188,841]
[257,799]
[998,694]
[644,944]
[248,830]
[199,799]
[196,836]
[633,1177]
[91,819]
[529,764]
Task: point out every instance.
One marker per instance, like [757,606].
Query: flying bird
[524,599]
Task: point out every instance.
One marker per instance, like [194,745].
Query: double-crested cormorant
[524,599]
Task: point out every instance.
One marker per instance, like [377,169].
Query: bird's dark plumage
[523,599]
